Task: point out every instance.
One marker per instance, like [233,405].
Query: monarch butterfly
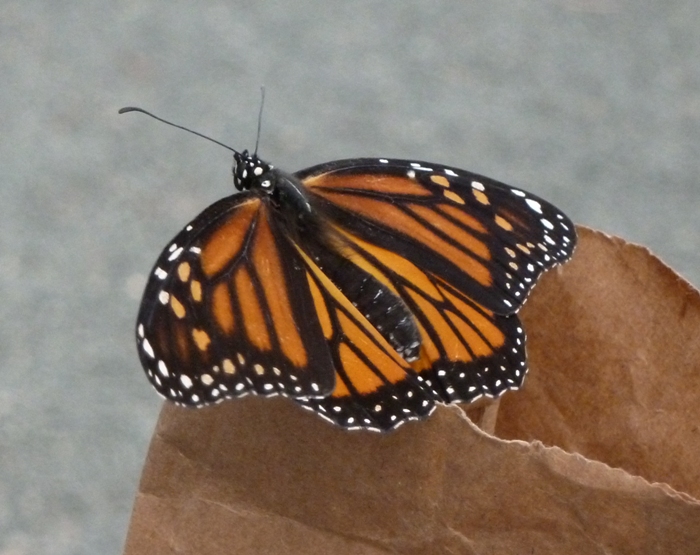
[367,290]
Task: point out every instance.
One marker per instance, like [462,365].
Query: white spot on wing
[149,350]
[175,254]
[536,206]
[163,369]
[417,166]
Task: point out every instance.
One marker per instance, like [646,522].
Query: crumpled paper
[598,453]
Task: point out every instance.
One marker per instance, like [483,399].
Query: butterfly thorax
[283,190]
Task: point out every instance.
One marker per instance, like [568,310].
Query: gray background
[593,104]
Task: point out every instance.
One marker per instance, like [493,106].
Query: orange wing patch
[392,216]
[440,180]
[452,345]
[503,223]
[387,365]
[196,290]
[177,307]
[363,379]
[429,352]
[454,197]
[321,308]
[226,242]
[386,184]
[267,263]
[454,231]
[221,308]
[201,339]
[476,344]
[462,217]
[252,314]
[183,271]
[488,329]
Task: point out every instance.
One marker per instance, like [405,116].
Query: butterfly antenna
[262,103]
[134,109]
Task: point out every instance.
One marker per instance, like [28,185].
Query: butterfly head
[284,191]
[248,169]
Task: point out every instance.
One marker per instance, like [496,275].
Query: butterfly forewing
[487,239]
[228,311]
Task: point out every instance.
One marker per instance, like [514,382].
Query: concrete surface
[593,104]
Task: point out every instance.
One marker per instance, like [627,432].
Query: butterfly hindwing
[466,350]
[228,311]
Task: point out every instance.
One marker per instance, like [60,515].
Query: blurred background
[592,104]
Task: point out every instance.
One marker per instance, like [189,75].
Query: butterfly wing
[462,252]
[466,350]
[228,311]
[488,240]
[234,305]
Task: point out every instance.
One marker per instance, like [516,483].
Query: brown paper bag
[598,453]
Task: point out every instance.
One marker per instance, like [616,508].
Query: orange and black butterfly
[367,290]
